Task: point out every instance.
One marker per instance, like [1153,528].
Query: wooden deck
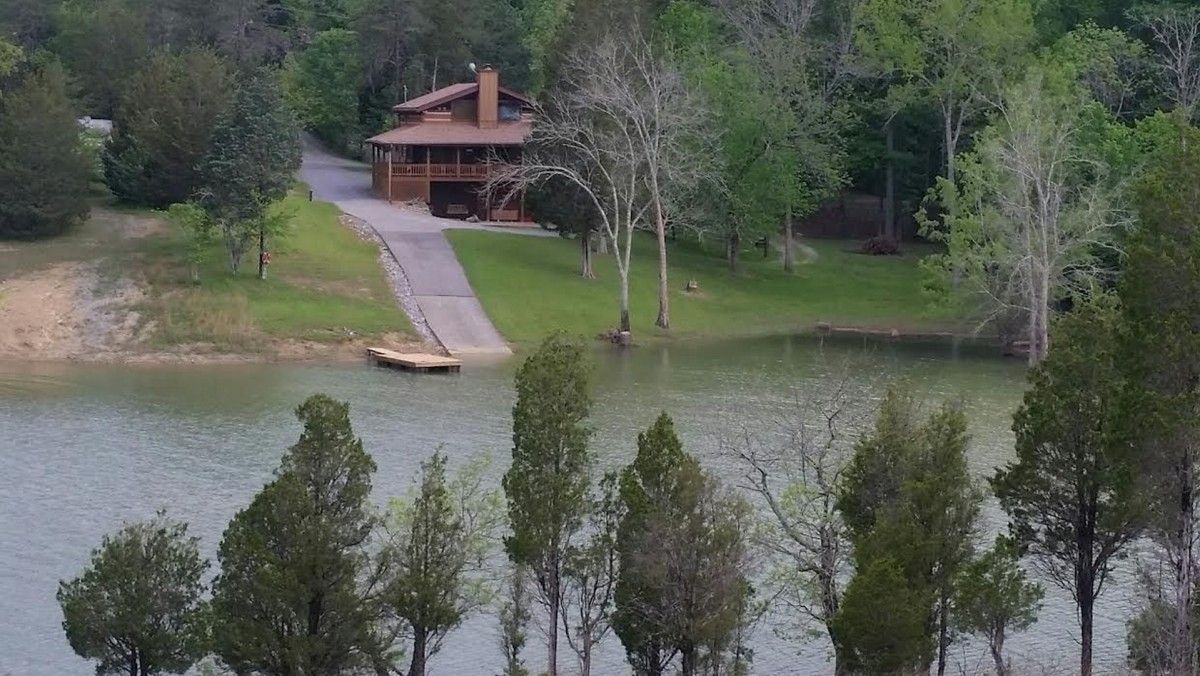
[412,361]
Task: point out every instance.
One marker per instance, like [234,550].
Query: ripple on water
[86,447]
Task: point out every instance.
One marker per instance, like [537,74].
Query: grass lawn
[324,284]
[531,287]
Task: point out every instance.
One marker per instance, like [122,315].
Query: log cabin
[443,146]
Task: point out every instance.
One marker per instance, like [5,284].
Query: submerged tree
[290,598]
[1071,492]
[547,483]
[137,608]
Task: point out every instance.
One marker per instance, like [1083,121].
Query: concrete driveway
[438,282]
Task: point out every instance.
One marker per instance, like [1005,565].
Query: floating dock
[412,361]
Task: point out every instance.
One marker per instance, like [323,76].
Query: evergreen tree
[44,171]
[882,623]
[290,598]
[102,44]
[252,159]
[548,479]
[1070,492]
[908,498]
[992,597]
[1160,297]
[136,609]
[163,126]
[682,587]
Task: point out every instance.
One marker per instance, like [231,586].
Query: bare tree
[1176,31]
[590,577]
[1031,211]
[625,130]
[793,466]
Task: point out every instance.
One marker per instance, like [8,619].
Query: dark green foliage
[163,126]
[252,159]
[436,541]
[992,598]
[882,621]
[289,599]
[44,171]
[1070,493]
[547,483]
[909,500]
[683,586]
[102,45]
[137,608]
[321,85]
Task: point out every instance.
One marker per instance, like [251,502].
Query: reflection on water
[86,447]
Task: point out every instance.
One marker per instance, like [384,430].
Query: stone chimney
[489,97]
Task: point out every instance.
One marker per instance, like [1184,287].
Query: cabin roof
[452,93]
[455,134]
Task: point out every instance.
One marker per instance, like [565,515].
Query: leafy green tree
[321,86]
[547,483]
[163,126]
[1160,309]
[514,619]
[992,598]
[951,54]
[1071,494]
[137,607]
[882,622]
[102,44]
[440,537]
[198,231]
[44,171]
[290,597]
[591,576]
[253,156]
[1034,209]
[682,587]
[1116,68]
[10,56]
[907,496]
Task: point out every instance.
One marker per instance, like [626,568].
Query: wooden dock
[412,361]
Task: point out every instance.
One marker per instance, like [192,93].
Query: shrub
[880,245]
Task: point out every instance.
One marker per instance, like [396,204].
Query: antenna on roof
[472,67]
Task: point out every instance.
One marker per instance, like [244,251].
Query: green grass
[531,287]
[324,284]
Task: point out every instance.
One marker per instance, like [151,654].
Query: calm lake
[84,448]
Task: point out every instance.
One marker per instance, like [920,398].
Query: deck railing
[440,170]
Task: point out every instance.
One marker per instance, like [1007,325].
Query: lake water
[84,448]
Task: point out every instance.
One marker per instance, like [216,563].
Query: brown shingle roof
[447,94]
[456,134]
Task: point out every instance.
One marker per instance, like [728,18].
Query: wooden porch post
[387,157]
[457,161]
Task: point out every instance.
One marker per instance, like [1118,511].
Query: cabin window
[510,112]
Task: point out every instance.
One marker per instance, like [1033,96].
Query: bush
[880,245]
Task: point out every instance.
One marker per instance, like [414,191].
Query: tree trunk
[997,648]
[789,246]
[889,188]
[585,656]
[687,661]
[552,632]
[262,249]
[1086,604]
[585,256]
[733,247]
[948,139]
[623,324]
[664,309]
[1183,653]
[420,641]
[943,634]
